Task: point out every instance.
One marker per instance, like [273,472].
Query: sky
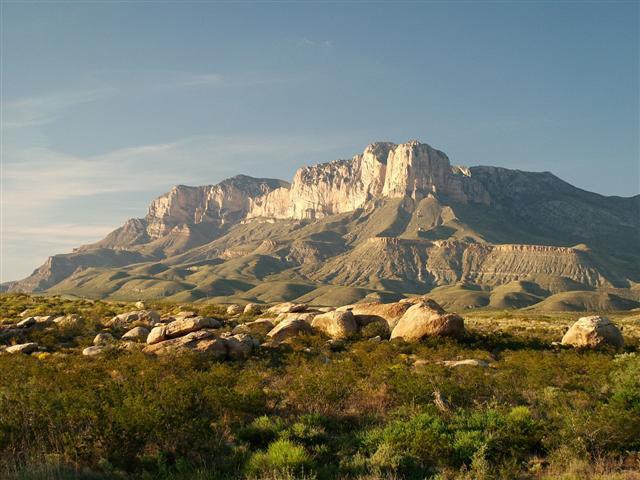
[106,105]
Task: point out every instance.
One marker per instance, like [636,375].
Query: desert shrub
[280,456]
[261,431]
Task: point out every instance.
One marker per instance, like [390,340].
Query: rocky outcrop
[202,341]
[179,327]
[593,332]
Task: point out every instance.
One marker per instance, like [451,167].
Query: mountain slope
[396,219]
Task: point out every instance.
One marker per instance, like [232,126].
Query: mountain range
[396,220]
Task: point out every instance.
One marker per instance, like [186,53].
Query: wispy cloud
[39,110]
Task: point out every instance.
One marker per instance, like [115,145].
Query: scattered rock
[44,319]
[471,362]
[288,307]
[260,326]
[203,341]
[240,346]
[289,329]
[25,348]
[149,317]
[306,316]
[391,313]
[180,327]
[24,313]
[234,309]
[427,319]
[184,314]
[252,309]
[593,332]
[26,323]
[140,305]
[69,321]
[103,338]
[95,350]
[136,334]
[337,325]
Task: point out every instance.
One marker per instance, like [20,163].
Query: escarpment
[395,219]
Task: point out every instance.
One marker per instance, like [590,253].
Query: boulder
[288,329]
[26,323]
[69,321]
[94,350]
[240,346]
[337,325]
[103,338]
[252,309]
[140,305]
[593,332]
[202,341]
[22,348]
[234,309]
[156,335]
[136,334]
[288,307]
[261,326]
[180,327]
[391,313]
[149,317]
[427,319]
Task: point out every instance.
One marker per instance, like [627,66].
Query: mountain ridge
[426,224]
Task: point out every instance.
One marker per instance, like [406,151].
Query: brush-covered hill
[395,220]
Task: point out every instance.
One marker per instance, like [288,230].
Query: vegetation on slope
[312,409]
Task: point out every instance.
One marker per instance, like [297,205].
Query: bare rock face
[337,325]
[384,169]
[427,319]
[202,341]
[219,204]
[593,332]
[289,329]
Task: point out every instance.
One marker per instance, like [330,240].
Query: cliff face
[383,170]
[227,202]
[395,218]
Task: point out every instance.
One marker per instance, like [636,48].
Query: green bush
[281,456]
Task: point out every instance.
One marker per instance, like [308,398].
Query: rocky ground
[239,330]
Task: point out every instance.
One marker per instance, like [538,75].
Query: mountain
[397,219]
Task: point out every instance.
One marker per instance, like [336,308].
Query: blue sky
[106,105]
